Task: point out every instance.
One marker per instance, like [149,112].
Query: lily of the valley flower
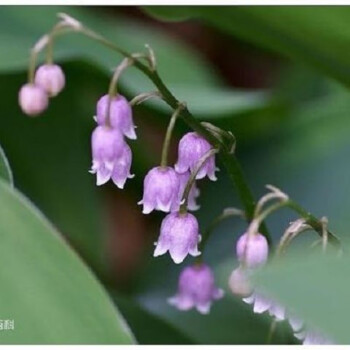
[179,234]
[192,196]
[160,190]
[108,149]
[192,147]
[196,289]
[120,114]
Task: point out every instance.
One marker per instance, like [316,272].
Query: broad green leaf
[230,321]
[177,13]
[318,36]
[5,170]
[22,25]
[45,288]
[50,156]
[214,102]
[316,288]
[148,328]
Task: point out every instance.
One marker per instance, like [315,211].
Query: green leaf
[5,170]
[148,328]
[316,288]
[45,288]
[317,36]
[177,13]
[231,321]
[216,102]
[52,160]
[184,71]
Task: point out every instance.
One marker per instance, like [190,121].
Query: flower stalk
[192,179]
[169,132]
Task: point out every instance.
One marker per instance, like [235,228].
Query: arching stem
[169,132]
[192,179]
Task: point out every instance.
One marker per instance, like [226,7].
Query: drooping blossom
[108,147]
[192,147]
[160,189]
[196,289]
[192,196]
[121,170]
[32,99]
[262,303]
[313,337]
[120,114]
[179,234]
[50,77]
[252,250]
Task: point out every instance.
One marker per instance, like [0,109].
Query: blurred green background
[276,77]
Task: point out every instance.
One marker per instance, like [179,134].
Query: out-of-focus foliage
[317,287]
[5,170]
[47,291]
[295,136]
[318,36]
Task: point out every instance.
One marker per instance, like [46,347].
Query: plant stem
[229,160]
[310,219]
[169,132]
[192,179]
[223,216]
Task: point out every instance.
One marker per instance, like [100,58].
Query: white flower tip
[218,294]
[203,309]
[130,134]
[212,177]
[178,259]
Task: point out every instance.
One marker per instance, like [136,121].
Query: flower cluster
[111,155]
[252,253]
[173,190]
[49,80]
[168,189]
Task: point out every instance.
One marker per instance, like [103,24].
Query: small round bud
[239,283]
[32,99]
[252,250]
[50,77]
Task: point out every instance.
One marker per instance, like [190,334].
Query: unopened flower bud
[120,114]
[32,99]
[239,282]
[160,190]
[196,288]
[252,250]
[108,146]
[50,77]
[192,147]
[179,234]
